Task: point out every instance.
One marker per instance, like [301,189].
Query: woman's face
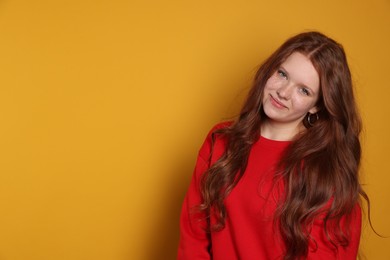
[292,91]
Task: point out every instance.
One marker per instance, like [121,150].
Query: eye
[282,74]
[305,91]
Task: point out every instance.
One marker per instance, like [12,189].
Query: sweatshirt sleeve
[323,249]
[194,239]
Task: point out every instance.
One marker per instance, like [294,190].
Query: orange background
[104,104]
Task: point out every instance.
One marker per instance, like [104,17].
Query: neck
[280,131]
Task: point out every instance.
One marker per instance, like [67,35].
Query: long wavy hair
[319,169]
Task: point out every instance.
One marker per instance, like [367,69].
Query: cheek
[303,105]
[271,84]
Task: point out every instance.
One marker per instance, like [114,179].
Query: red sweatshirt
[249,232]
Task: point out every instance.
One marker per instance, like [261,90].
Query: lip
[276,102]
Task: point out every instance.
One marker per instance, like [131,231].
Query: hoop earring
[312,119]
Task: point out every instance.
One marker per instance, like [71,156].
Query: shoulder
[213,140]
[221,125]
[216,128]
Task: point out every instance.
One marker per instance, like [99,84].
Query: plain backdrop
[104,105]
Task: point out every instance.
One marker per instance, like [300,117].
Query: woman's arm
[194,240]
[322,247]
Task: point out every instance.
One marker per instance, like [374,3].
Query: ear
[313,110]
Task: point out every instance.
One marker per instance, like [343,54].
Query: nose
[284,92]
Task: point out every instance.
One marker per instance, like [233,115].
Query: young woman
[281,182]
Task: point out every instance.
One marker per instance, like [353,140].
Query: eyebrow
[302,85]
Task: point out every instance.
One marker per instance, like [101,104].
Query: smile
[276,103]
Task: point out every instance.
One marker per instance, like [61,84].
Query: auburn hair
[319,170]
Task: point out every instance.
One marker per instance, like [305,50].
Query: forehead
[301,70]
